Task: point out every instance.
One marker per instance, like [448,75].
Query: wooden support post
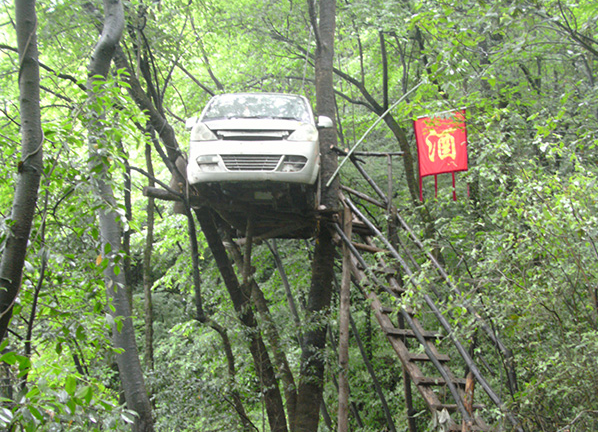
[372,372]
[247,270]
[389,192]
[343,346]
[407,389]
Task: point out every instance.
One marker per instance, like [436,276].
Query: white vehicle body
[255,137]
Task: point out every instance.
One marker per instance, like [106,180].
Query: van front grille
[251,162]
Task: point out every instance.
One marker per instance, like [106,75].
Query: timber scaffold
[383,268]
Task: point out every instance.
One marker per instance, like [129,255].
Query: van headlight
[208,163]
[305,132]
[293,163]
[200,132]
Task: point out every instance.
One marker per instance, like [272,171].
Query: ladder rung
[388,310]
[453,407]
[397,290]
[368,248]
[437,381]
[385,270]
[454,427]
[424,357]
[393,331]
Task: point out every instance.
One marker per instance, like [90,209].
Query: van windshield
[230,106]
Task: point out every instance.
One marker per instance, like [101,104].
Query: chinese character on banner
[441,146]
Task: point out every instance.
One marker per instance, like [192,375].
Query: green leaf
[35,413]
[9,358]
[70,385]
[85,393]
[5,415]
[72,405]
[33,392]
[80,333]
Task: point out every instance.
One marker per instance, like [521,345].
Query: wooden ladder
[449,398]
[398,336]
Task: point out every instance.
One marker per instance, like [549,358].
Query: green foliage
[521,248]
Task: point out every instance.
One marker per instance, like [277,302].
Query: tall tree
[309,394]
[147,270]
[123,334]
[29,168]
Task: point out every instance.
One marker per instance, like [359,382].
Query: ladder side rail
[464,354]
[371,182]
[506,352]
[396,343]
[431,355]
[363,196]
[448,381]
[431,257]
[456,343]
[360,259]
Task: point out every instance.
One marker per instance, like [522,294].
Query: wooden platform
[278,210]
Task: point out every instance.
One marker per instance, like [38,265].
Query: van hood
[248,124]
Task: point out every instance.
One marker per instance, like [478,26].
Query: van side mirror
[324,122]
[190,122]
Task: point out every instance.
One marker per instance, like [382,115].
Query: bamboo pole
[343,345]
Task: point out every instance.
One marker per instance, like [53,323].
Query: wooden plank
[386,310]
[369,248]
[424,357]
[453,407]
[393,331]
[438,381]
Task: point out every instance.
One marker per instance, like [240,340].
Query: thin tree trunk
[270,332]
[230,359]
[29,169]
[147,273]
[38,289]
[309,393]
[241,298]
[287,287]
[129,217]
[122,325]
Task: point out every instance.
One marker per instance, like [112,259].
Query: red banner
[441,144]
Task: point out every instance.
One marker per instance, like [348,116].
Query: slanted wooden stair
[448,397]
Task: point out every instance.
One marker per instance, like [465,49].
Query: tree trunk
[122,325]
[241,298]
[30,166]
[147,273]
[309,392]
[270,332]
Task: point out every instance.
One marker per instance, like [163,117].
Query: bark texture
[309,392]
[30,166]
[123,335]
[147,273]
[283,369]
[241,298]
